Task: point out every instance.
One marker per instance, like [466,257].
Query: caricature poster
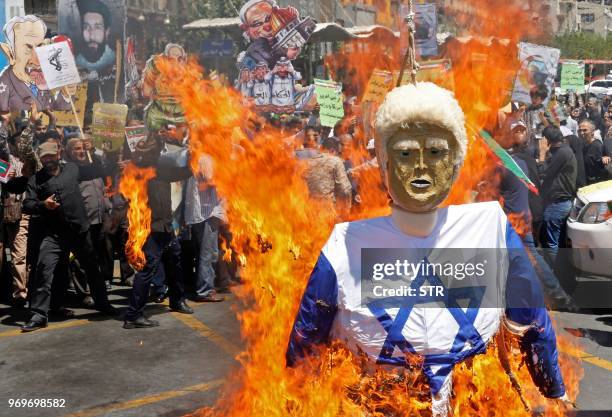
[22,83]
[8,10]
[275,36]
[95,26]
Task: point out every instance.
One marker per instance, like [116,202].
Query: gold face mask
[421,166]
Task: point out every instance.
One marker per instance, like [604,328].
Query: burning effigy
[421,143]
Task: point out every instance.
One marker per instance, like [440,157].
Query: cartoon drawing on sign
[260,88]
[54,59]
[163,108]
[276,36]
[244,78]
[22,83]
[282,80]
[273,32]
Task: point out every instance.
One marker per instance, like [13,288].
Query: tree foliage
[581,45]
[218,8]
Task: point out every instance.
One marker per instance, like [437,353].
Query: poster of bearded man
[95,26]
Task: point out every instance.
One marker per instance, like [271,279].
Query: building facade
[561,16]
[46,9]
[348,13]
[594,17]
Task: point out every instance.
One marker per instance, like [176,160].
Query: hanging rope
[409,61]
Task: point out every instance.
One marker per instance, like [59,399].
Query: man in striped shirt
[204,212]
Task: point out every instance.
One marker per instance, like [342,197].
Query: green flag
[505,159]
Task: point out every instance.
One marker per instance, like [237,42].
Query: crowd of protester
[64,222]
[561,146]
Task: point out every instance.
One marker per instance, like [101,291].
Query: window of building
[587,18]
[40,7]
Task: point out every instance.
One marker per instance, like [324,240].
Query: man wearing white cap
[53,194]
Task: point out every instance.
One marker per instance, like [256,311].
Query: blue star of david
[465,319]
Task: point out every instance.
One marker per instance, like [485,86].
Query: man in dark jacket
[519,148]
[516,202]
[577,146]
[161,247]
[558,189]
[593,113]
[594,167]
[54,195]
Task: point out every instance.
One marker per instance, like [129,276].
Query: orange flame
[278,232]
[133,186]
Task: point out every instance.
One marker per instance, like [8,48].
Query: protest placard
[538,70]
[329,97]
[108,126]
[135,134]
[437,71]
[66,117]
[58,65]
[572,76]
[426,29]
[379,85]
[5,167]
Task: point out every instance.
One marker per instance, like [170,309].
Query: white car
[589,230]
[599,88]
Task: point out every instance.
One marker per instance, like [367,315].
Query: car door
[591,242]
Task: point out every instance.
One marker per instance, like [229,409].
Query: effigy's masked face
[420,166]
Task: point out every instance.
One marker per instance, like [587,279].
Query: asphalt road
[100,369]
